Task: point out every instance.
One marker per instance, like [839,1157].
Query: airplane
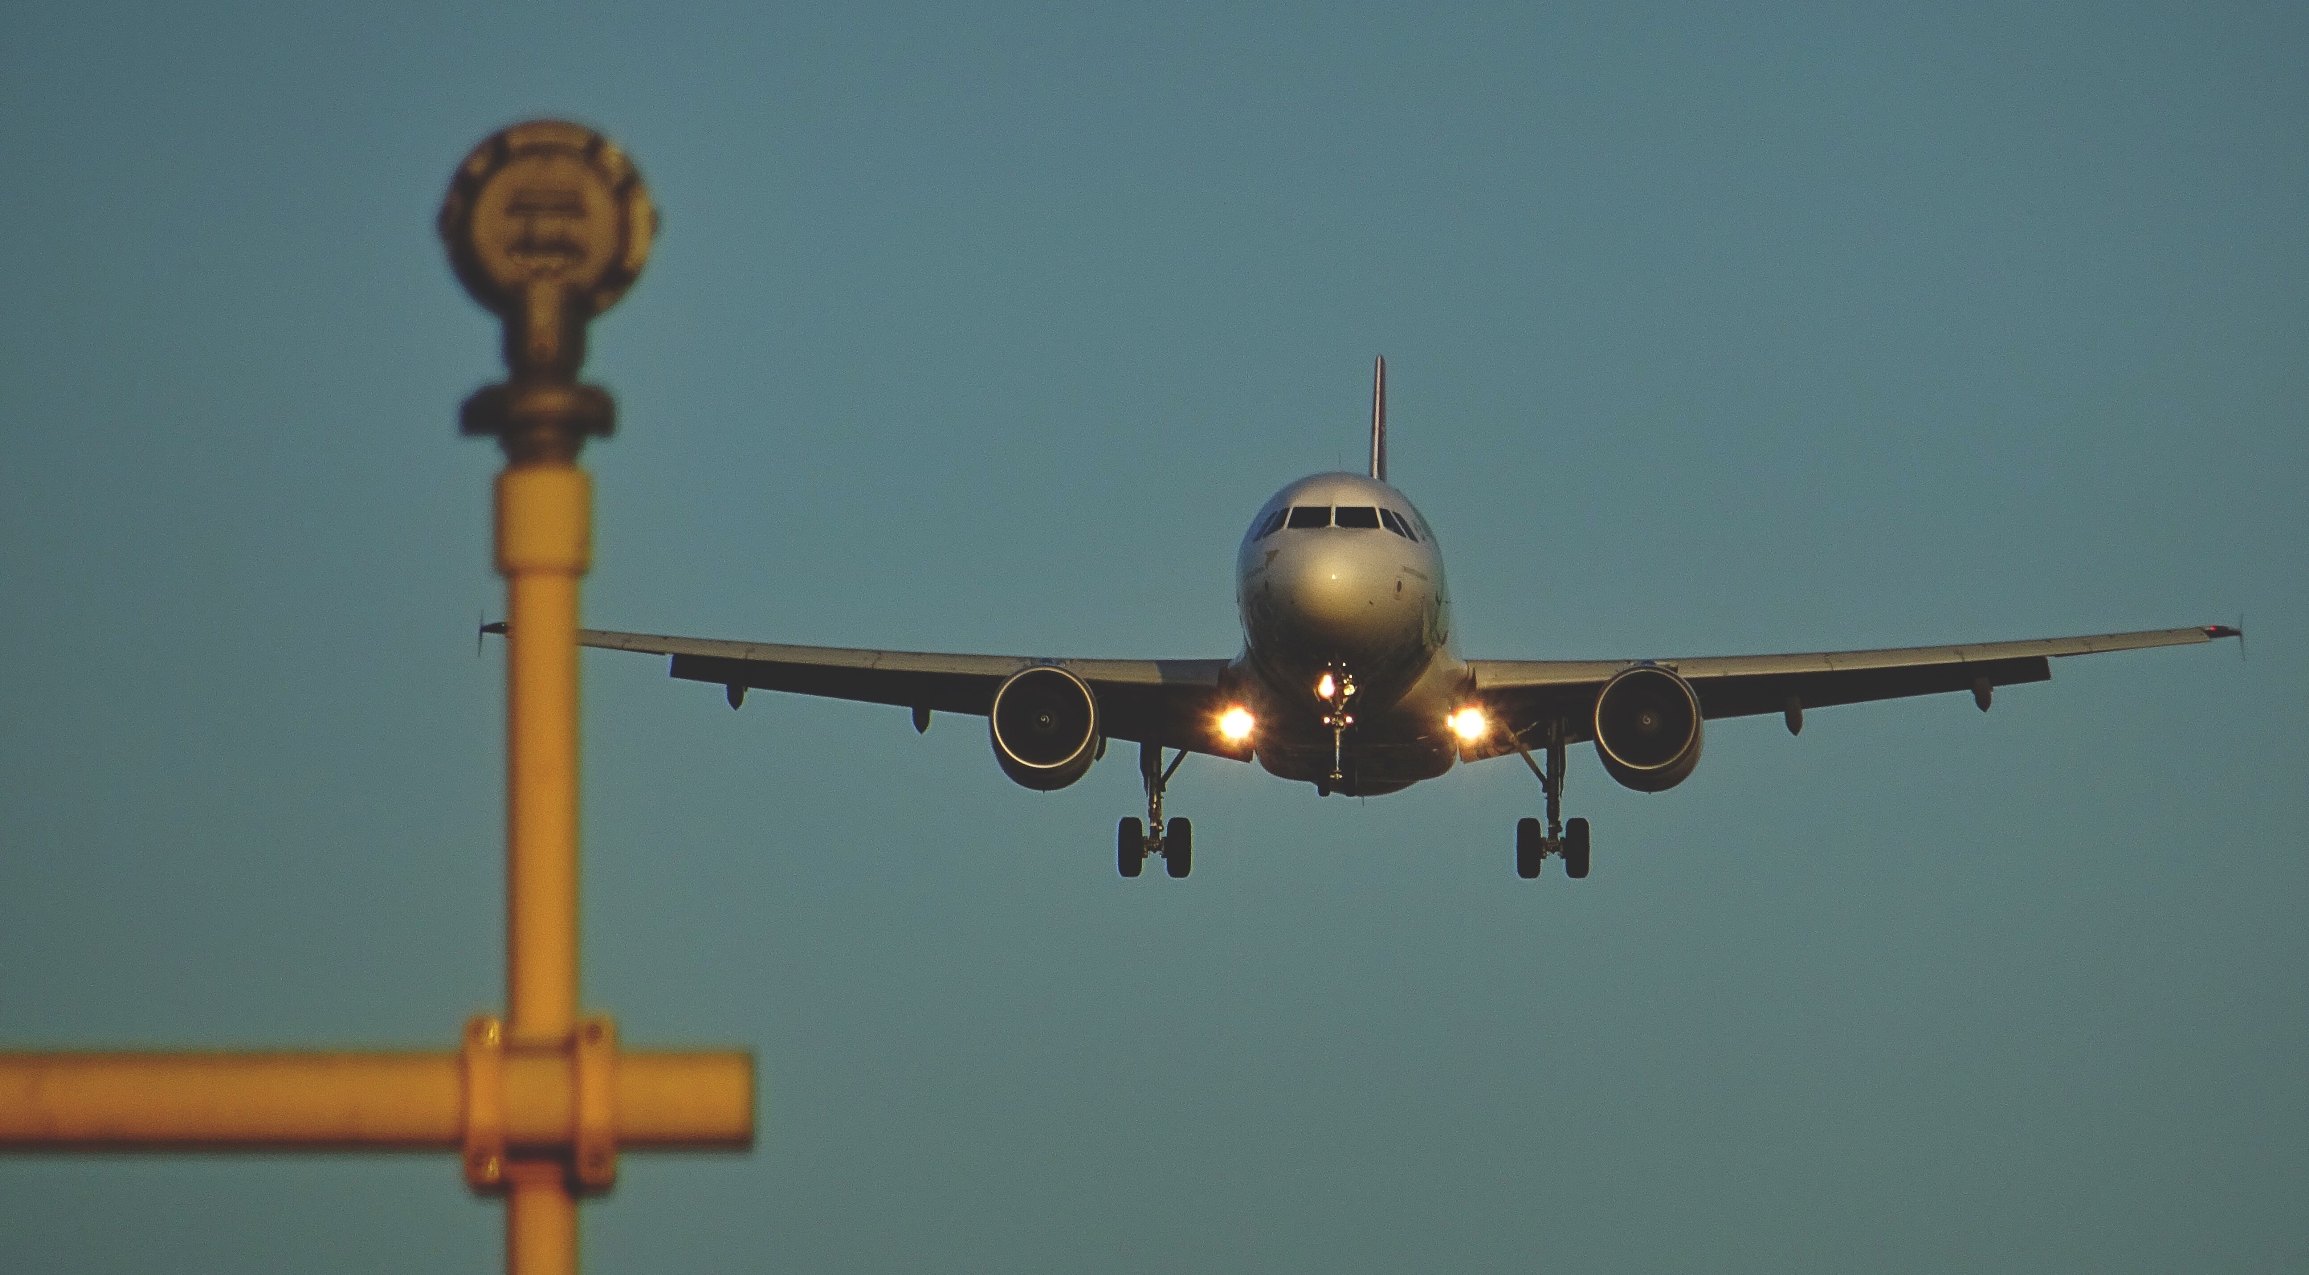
[1349,679]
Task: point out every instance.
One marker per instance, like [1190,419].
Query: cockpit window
[1310,516]
[1269,524]
[1396,524]
[1356,516]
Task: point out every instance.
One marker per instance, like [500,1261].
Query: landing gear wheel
[1130,846]
[1575,849]
[1530,848]
[1179,848]
[1534,841]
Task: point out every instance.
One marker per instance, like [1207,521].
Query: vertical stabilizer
[1379,419]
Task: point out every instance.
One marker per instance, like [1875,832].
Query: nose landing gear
[1534,842]
[1335,688]
[1134,840]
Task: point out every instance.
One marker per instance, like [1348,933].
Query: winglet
[2236,631]
[1379,418]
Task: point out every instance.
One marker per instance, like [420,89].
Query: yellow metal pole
[375,1100]
[221,1100]
[540,1219]
[547,225]
[542,549]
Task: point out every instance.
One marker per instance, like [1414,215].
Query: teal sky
[986,328]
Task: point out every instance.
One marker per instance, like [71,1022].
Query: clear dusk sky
[1712,329]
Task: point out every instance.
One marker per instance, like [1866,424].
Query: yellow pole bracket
[593,1142]
[484,1075]
[593,1081]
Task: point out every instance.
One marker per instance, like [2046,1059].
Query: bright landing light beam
[1469,724]
[1237,724]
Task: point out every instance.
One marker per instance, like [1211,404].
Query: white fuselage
[1358,594]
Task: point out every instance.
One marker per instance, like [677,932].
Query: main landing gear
[1175,841]
[1533,841]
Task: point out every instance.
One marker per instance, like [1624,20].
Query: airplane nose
[1342,595]
[1332,592]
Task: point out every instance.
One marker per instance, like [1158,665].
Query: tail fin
[1379,419]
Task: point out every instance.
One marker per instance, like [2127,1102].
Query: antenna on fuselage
[1379,418]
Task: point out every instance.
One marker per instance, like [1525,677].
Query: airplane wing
[1170,702]
[1524,695]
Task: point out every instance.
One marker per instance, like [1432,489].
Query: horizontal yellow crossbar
[359,1101]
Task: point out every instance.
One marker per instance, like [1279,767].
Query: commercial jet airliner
[1349,680]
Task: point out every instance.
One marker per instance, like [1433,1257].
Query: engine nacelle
[1647,728]
[1045,727]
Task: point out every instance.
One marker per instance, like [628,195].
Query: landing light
[1236,724]
[1469,724]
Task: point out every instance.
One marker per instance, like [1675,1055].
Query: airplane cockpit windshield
[1350,517]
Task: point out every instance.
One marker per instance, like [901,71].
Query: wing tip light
[2236,631]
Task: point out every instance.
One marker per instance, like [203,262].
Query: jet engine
[1045,727]
[1647,728]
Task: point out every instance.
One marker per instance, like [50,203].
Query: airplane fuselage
[1340,578]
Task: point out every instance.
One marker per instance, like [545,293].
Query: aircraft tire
[1129,846]
[1575,846]
[1179,848]
[1530,848]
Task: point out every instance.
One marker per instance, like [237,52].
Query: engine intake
[1044,724]
[1647,728]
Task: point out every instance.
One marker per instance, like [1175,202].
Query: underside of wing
[1525,696]
[1170,702]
